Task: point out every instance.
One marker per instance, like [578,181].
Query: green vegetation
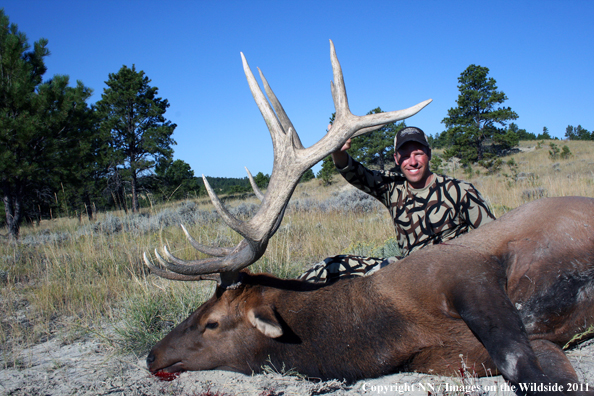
[578,133]
[61,157]
[175,180]
[327,172]
[229,185]
[131,114]
[478,118]
[44,126]
[376,149]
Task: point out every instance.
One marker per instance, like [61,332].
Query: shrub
[534,193]
[554,151]
[565,153]
[144,320]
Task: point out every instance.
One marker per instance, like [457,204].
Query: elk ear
[264,319]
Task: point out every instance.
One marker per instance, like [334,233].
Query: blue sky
[394,54]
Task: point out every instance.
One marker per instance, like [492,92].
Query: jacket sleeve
[475,210]
[379,184]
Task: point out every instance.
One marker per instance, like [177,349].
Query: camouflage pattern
[344,266]
[437,213]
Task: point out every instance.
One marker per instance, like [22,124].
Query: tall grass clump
[146,318]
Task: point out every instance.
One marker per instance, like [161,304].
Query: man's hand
[340,157]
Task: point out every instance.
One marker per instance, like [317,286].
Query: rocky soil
[88,367]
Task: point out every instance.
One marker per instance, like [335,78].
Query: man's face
[413,159]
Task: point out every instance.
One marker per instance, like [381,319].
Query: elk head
[233,324]
[211,336]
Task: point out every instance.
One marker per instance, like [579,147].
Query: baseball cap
[410,134]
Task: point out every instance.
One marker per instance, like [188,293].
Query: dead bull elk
[506,296]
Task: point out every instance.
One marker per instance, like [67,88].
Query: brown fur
[505,296]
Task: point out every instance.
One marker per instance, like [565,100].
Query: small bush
[493,165]
[534,193]
[244,210]
[554,151]
[437,165]
[352,200]
[144,320]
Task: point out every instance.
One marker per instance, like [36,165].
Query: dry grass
[78,281]
[542,176]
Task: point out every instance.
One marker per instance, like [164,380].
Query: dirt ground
[88,367]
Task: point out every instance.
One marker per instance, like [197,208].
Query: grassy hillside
[70,278]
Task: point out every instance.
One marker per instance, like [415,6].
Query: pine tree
[40,125]
[544,135]
[327,172]
[133,115]
[176,179]
[377,147]
[577,133]
[475,120]
[262,180]
[307,176]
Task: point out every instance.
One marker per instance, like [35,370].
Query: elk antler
[291,160]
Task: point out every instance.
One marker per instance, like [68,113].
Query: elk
[506,296]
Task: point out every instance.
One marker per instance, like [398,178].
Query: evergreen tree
[328,170]
[522,133]
[176,179]
[474,121]
[439,141]
[577,133]
[73,147]
[226,185]
[133,115]
[544,135]
[307,176]
[40,125]
[377,147]
[262,180]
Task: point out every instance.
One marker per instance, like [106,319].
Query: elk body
[506,296]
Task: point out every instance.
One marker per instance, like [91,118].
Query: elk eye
[211,325]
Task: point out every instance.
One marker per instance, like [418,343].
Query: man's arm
[375,183]
[476,211]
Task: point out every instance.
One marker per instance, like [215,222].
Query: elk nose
[150,359]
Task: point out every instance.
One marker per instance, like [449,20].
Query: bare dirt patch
[88,367]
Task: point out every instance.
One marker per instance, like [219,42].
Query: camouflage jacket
[439,212]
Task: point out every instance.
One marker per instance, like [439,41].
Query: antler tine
[175,276]
[211,250]
[371,120]
[347,125]
[274,126]
[230,263]
[363,131]
[339,95]
[280,111]
[255,187]
[228,218]
[390,116]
